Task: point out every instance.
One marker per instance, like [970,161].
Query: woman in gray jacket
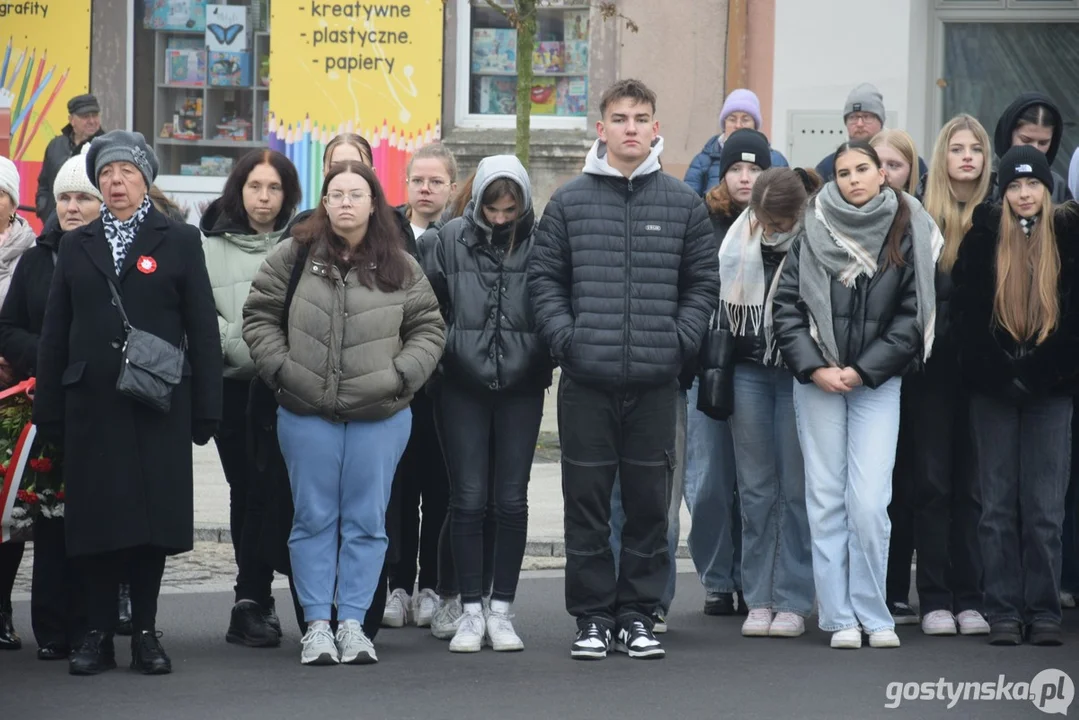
[363,334]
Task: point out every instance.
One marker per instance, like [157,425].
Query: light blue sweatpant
[341,475]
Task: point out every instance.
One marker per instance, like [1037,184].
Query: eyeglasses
[435,184]
[337,198]
[860,117]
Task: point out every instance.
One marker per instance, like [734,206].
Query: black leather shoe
[269,614]
[95,655]
[1005,632]
[248,626]
[1045,632]
[53,652]
[718,603]
[147,655]
[123,621]
[9,639]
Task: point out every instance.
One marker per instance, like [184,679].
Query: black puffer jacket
[875,322]
[992,361]
[491,338]
[624,275]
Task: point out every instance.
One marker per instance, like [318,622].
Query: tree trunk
[526,41]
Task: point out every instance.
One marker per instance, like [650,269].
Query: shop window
[487,65]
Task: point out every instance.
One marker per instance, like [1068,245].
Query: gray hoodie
[20,238]
[597,162]
[490,169]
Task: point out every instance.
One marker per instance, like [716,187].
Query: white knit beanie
[72,178]
[9,179]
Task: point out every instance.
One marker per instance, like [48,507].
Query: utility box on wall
[813,134]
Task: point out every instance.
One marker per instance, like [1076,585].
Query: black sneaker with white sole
[636,640]
[903,614]
[592,643]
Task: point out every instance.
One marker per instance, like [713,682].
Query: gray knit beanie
[865,98]
[121,146]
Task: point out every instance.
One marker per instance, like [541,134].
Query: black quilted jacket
[624,277]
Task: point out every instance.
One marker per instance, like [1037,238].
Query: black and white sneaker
[592,643]
[637,641]
[903,614]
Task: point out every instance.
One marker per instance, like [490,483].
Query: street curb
[535,547]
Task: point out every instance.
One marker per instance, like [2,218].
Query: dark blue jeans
[1023,467]
[483,434]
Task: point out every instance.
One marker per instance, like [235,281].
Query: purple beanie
[742,100]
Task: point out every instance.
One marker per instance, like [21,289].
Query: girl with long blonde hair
[958,181]
[936,458]
[1017,328]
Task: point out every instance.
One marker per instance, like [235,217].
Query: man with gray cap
[84,124]
[863,114]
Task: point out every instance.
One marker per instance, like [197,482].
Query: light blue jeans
[341,475]
[777,562]
[715,534]
[618,517]
[848,442]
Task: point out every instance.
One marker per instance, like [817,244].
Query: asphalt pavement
[710,672]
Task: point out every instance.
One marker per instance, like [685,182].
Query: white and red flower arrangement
[31,483]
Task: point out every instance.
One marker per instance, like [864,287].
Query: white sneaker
[469,635]
[447,618]
[787,624]
[424,606]
[884,639]
[355,647]
[849,639]
[500,633]
[971,622]
[939,622]
[397,609]
[319,647]
[758,623]
[1067,600]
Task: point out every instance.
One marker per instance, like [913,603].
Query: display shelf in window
[208,104]
[560,60]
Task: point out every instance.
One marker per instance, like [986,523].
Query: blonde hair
[1027,303]
[903,144]
[941,201]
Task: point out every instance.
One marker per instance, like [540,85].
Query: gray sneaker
[355,647]
[447,618]
[318,645]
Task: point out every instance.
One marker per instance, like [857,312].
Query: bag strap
[293,281]
[119,305]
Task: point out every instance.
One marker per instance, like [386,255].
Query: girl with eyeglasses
[363,334]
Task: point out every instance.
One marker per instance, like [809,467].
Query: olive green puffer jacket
[351,353]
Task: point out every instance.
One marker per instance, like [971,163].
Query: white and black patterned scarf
[121,233]
[1028,224]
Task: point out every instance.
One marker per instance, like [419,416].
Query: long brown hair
[720,202]
[380,259]
[893,256]
[940,198]
[357,141]
[464,195]
[1027,302]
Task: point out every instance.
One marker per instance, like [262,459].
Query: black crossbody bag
[151,366]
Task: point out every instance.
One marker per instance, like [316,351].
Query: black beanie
[745,145]
[1024,161]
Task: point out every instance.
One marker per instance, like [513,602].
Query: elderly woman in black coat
[127,465]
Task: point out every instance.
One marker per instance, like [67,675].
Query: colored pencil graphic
[42,115]
[24,115]
[37,85]
[16,109]
[15,73]
[7,58]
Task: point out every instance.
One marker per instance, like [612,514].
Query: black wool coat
[993,362]
[127,467]
[24,307]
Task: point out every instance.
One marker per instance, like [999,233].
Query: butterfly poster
[226,28]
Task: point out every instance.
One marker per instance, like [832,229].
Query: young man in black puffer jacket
[624,278]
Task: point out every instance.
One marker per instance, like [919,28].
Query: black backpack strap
[293,281]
